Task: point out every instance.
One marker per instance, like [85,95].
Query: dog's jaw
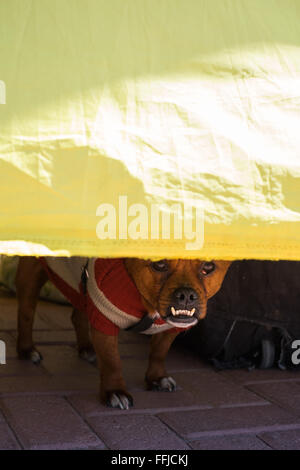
[178,324]
[175,323]
[184,318]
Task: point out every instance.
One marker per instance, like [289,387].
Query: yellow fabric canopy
[115,114]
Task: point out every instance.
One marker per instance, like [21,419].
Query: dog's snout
[185,297]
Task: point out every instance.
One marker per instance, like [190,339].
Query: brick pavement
[55,405]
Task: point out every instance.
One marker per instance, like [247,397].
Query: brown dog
[163,297]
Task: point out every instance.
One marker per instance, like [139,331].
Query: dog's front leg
[113,391]
[156,375]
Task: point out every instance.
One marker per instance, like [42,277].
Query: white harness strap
[120,318]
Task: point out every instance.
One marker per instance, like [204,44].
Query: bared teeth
[189,313]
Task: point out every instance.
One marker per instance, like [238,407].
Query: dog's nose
[185,297]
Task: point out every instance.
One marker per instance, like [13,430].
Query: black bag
[254,318]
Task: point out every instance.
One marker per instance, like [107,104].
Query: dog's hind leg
[156,375]
[29,280]
[84,345]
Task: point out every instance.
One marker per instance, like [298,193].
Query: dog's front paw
[118,399]
[163,384]
[30,354]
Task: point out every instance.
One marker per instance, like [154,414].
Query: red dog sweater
[109,298]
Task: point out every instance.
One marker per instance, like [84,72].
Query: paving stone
[282,440]
[135,432]
[210,388]
[87,404]
[285,394]
[20,368]
[64,360]
[46,384]
[246,377]
[236,420]
[7,438]
[234,442]
[48,422]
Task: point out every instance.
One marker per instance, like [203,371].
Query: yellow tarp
[187,102]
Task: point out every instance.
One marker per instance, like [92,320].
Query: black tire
[267,354]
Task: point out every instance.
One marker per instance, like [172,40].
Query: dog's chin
[181,318]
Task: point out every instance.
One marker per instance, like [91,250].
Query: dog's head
[177,289]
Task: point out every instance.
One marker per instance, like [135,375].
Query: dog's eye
[160,266]
[207,268]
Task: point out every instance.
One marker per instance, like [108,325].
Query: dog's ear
[145,281]
[214,281]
